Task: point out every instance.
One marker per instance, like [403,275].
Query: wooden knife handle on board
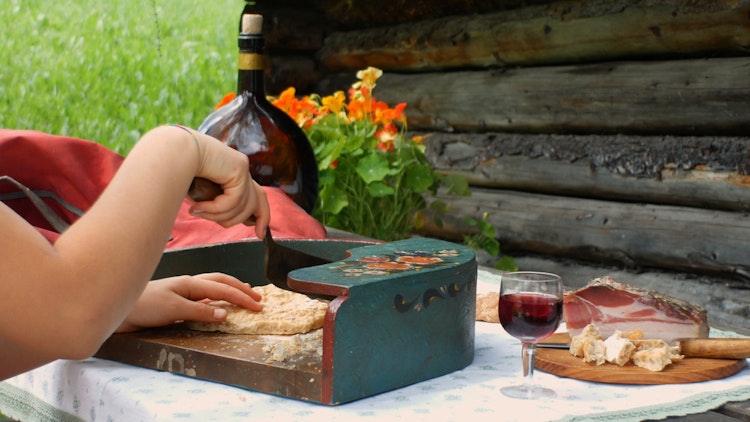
[715,348]
[205,190]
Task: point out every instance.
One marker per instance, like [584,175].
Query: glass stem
[528,352]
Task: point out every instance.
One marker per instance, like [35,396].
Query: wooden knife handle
[716,348]
[205,190]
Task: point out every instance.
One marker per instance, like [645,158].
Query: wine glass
[530,310]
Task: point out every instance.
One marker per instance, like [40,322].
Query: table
[101,390]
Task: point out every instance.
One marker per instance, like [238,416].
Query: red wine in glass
[530,309]
[530,316]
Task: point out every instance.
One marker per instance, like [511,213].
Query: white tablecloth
[100,390]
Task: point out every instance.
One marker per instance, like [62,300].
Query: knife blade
[279,260]
[708,348]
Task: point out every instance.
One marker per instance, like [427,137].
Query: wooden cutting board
[561,363]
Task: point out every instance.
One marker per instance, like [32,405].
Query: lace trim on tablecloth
[698,403]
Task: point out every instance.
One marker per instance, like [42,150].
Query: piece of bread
[595,351]
[487,304]
[588,345]
[655,359]
[618,349]
[622,347]
[636,334]
[284,312]
[584,341]
[654,355]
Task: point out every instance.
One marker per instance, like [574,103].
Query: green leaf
[327,154]
[326,177]
[379,189]
[419,178]
[456,184]
[487,229]
[492,246]
[470,221]
[332,199]
[372,168]
[506,263]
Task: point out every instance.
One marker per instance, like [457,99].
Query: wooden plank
[292,26]
[709,416]
[560,32]
[739,410]
[707,172]
[291,70]
[688,97]
[241,360]
[363,14]
[606,232]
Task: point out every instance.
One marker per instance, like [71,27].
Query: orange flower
[334,103]
[359,110]
[368,77]
[286,100]
[305,112]
[226,99]
[385,146]
[302,111]
[391,129]
[359,94]
[386,137]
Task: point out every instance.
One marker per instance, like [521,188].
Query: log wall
[607,131]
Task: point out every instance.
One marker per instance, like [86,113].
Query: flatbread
[284,312]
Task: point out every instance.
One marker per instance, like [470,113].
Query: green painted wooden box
[404,312]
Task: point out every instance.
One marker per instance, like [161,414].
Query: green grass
[108,71]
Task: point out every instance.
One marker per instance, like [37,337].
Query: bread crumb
[284,348]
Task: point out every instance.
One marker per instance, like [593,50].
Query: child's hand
[173,299]
[241,198]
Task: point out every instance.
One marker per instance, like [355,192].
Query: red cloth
[78,171]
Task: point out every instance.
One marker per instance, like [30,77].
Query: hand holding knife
[205,190]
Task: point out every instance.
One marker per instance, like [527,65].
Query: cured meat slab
[612,306]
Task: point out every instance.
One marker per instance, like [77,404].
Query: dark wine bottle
[279,152]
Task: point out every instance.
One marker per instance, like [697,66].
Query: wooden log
[607,232]
[686,97]
[292,26]
[362,14]
[290,70]
[707,172]
[561,32]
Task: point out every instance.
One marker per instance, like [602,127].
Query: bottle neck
[251,65]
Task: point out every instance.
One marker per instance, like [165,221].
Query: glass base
[528,392]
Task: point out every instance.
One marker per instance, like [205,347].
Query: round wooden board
[561,363]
